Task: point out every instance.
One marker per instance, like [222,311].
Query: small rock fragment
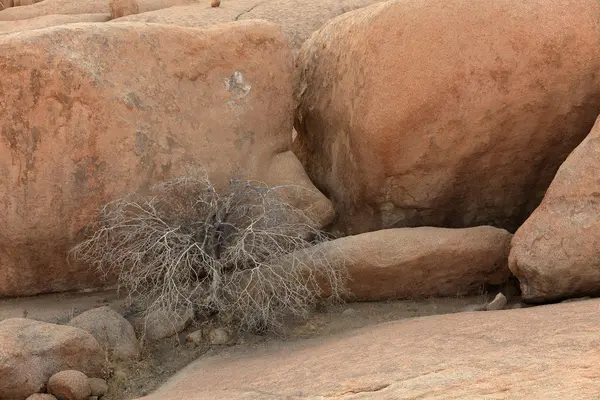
[41,396]
[98,386]
[70,385]
[195,337]
[219,336]
[497,304]
[215,3]
[161,324]
[348,312]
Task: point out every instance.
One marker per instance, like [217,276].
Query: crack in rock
[364,389]
[250,9]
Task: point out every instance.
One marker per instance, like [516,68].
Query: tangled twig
[241,256]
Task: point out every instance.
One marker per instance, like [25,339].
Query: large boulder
[48,21]
[98,110]
[450,113]
[298,18]
[114,333]
[32,351]
[409,263]
[556,252]
[548,352]
[55,7]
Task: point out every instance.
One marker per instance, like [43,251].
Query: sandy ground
[164,359]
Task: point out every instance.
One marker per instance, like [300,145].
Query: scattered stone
[160,324]
[93,398]
[219,337]
[32,351]
[215,3]
[195,338]
[349,312]
[498,303]
[111,330]
[41,396]
[70,385]
[98,386]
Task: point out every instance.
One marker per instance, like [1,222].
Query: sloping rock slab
[547,352]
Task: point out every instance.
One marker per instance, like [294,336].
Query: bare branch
[185,246]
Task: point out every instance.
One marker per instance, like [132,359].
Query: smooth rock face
[55,7]
[449,113]
[556,253]
[510,354]
[298,19]
[94,122]
[41,396]
[46,21]
[114,333]
[32,351]
[421,262]
[16,3]
[70,385]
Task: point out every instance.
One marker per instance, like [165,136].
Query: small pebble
[215,3]
[348,312]
[69,385]
[195,337]
[498,303]
[219,336]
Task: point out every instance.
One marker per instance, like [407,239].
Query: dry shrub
[246,256]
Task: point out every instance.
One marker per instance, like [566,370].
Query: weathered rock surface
[105,109]
[160,324]
[16,3]
[421,262]
[114,333]
[509,354]
[55,7]
[31,352]
[41,396]
[298,18]
[556,252]
[70,385]
[123,8]
[447,113]
[48,21]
